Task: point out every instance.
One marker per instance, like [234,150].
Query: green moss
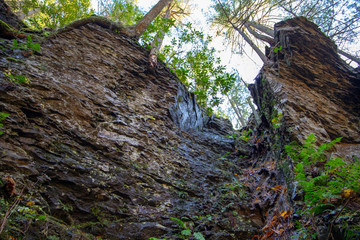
[5,28]
[8,31]
[98,20]
[11,59]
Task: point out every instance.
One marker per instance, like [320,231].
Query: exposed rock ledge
[94,140]
[106,147]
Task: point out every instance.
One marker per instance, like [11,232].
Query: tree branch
[349,56]
[246,38]
[144,23]
[262,28]
[259,36]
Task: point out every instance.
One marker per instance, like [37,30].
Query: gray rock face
[105,146]
[186,112]
[99,144]
[316,91]
[9,17]
[307,90]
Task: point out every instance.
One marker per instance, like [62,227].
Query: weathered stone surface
[107,147]
[7,16]
[112,148]
[307,89]
[185,112]
[309,83]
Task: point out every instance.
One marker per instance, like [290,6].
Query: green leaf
[277,49]
[41,218]
[179,222]
[15,44]
[3,116]
[198,236]
[186,232]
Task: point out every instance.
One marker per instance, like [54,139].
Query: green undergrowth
[14,78]
[329,185]
[3,116]
[29,45]
[24,217]
[186,228]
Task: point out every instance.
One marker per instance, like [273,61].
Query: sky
[248,65]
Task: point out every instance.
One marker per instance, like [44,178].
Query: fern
[326,181]
[332,178]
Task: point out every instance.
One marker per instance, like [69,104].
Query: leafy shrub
[29,45]
[327,181]
[18,215]
[3,116]
[322,177]
[41,14]
[187,229]
[16,78]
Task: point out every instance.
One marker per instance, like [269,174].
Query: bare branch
[259,36]
[262,28]
[349,56]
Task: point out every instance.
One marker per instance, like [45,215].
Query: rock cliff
[100,145]
[308,89]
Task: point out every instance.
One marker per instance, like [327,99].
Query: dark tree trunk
[143,24]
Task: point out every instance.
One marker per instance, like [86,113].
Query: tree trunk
[159,38]
[144,23]
[247,39]
[351,57]
[265,38]
[256,115]
[262,28]
[237,112]
[252,44]
[156,44]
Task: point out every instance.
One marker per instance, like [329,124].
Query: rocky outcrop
[104,146]
[308,89]
[309,83]
[7,16]
[100,145]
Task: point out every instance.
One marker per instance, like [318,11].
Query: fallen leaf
[269,233]
[31,203]
[347,193]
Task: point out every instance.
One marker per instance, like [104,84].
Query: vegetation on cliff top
[189,52]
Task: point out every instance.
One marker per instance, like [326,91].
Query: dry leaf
[347,193]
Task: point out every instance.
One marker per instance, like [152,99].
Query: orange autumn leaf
[283,213]
[286,214]
[347,193]
[31,203]
[277,188]
[269,233]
